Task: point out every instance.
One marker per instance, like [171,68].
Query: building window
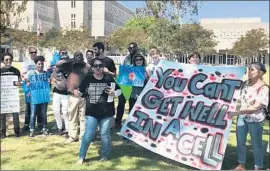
[73,21]
[73,4]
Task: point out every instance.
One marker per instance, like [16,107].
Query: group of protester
[83,93]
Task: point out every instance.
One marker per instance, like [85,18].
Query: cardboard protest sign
[133,76]
[182,113]
[10,101]
[39,88]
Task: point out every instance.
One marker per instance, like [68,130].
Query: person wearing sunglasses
[28,67]
[254,96]
[138,61]
[132,49]
[98,89]
[8,69]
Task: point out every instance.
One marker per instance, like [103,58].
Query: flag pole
[37,29]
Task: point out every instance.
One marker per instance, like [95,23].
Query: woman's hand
[110,91]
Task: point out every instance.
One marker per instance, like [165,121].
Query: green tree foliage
[172,9]
[123,36]
[252,44]
[9,10]
[193,37]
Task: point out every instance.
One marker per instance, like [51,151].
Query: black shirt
[63,92]
[108,63]
[10,71]
[96,98]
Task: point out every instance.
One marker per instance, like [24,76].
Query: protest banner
[10,101]
[182,113]
[39,88]
[133,76]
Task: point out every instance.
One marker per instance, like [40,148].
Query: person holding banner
[28,66]
[99,90]
[133,49]
[138,61]
[254,97]
[194,58]
[9,70]
[155,58]
[39,83]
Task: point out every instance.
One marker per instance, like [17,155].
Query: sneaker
[61,132]
[45,132]
[17,132]
[32,134]
[70,140]
[103,159]
[3,134]
[239,167]
[79,162]
[66,136]
[25,128]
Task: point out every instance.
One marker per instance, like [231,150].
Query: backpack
[267,108]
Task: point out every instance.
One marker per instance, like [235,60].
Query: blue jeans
[90,130]
[255,129]
[41,110]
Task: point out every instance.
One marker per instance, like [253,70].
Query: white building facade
[228,31]
[101,17]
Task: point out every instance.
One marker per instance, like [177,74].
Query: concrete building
[101,17]
[229,30]
[28,19]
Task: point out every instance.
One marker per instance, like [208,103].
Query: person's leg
[255,130]
[56,110]
[73,118]
[3,125]
[27,116]
[131,104]
[120,111]
[82,106]
[241,135]
[32,120]
[43,114]
[64,103]
[90,125]
[16,123]
[105,132]
[39,118]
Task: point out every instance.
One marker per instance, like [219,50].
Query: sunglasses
[9,59]
[138,59]
[64,53]
[33,52]
[98,66]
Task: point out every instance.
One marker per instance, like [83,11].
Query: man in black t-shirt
[108,63]
[7,59]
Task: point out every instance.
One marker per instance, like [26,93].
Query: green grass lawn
[50,153]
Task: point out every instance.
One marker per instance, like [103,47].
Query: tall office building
[101,17]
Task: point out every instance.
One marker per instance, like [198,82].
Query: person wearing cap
[254,96]
[76,105]
[60,96]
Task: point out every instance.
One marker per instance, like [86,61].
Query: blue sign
[39,88]
[133,76]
